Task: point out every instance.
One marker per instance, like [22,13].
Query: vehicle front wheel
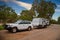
[29,28]
[14,30]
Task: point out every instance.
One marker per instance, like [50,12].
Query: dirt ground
[52,32]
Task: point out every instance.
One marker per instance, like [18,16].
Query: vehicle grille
[5,26]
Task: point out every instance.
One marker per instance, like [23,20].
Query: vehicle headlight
[9,25]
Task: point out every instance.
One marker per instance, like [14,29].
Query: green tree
[53,21]
[45,9]
[58,20]
[27,15]
[7,14]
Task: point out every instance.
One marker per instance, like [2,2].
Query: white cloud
[58,5]
[7,0]
[57,10]
[23,4]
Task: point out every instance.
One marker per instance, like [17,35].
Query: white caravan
[38,22]
[19,25]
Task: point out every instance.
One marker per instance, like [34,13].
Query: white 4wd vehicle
[19,25]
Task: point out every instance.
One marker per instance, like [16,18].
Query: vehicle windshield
[17,22]
[23,22]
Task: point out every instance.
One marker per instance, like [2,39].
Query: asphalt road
[52,32]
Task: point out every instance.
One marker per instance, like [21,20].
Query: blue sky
[19,5]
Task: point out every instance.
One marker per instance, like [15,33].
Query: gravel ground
[52,32]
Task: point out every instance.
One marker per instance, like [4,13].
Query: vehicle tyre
[40,26]
[29,28]
[14,30]
[45,26]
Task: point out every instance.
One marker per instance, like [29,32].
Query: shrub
[1,27]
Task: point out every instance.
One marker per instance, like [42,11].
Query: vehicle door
[21,25]
[26,24]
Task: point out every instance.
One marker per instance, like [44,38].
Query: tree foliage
[45,9]
[58,20]
[53,21]
[7,14]
[27,15]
